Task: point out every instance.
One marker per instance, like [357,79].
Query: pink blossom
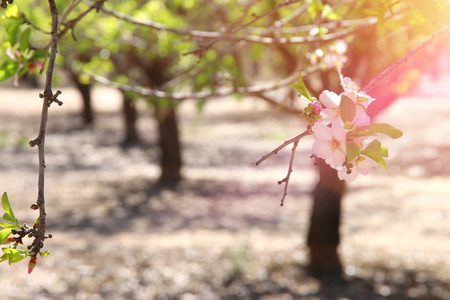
[361,165]
[331,113]
[330,144]
[317,107]
[330,99]
[352,90]
[35,65]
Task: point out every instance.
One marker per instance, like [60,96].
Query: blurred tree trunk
[130,119]
[323,235]
[85,92]
[169,145]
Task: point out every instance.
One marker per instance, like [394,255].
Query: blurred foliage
[141,56]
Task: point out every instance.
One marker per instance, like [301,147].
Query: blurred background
[159,197]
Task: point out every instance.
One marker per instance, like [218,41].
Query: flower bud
[9,241]
[31,264]
[317,107]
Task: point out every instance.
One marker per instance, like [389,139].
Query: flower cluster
[343,132]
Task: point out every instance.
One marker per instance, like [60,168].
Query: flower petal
[330,99]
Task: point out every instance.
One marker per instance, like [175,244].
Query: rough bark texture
[130,119]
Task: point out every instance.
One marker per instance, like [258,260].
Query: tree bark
[169,144]
[323,235]
[130,120]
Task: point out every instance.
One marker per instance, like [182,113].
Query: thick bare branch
[207,94]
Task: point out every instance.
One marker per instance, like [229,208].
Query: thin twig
[403,60]
[188,74]
[288,176]
[293,140]
[70,25]
[48,98]
[263,39]
[201,49]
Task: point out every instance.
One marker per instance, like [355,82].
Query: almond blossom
[352,90]
[342,126]
[360,165]
[330,144]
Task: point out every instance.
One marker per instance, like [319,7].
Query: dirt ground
[222,233]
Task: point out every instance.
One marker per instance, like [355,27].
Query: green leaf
[4,234]
[352,150]
[301,88]
[360,133]
[13,31]
[8,69]
[25,39]
[384,128]
[13,255]
[8,210]
[16,257]
[3,258]
[347,109]
[12,11]
[39,54]
[44,253]
[7,225]
[7,218]
[376,152]
[384,151]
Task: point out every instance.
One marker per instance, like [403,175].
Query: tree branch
[48,99]
[288,176]
[294,140]
[403,60]
[207,94]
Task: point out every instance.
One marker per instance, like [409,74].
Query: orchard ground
[222,233]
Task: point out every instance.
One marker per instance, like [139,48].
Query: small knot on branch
[34,142]
[52,98]
[198,52]
[98,5]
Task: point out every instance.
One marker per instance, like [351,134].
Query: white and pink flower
[330,143]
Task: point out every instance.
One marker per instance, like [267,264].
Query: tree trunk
[169,144]
[130,119]
[85,91]
[323,235]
